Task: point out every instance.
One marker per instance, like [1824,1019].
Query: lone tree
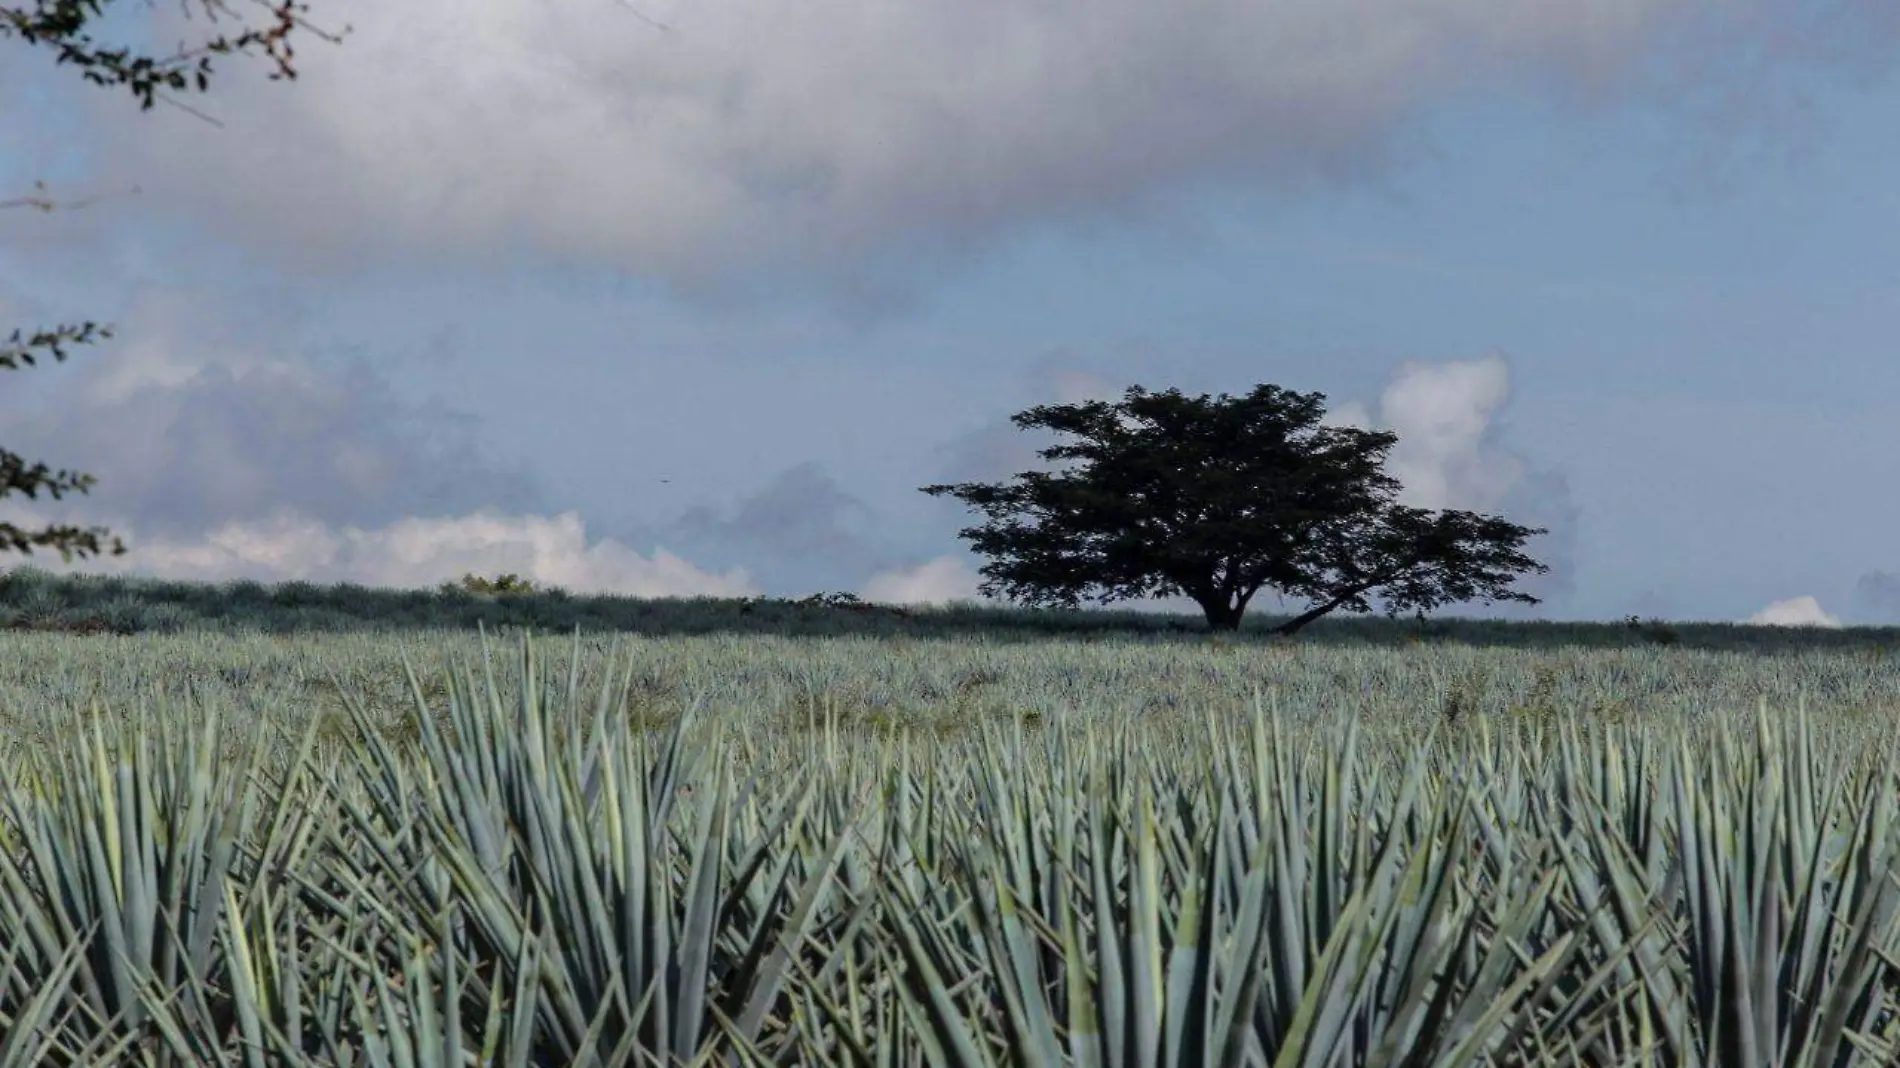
[63,28]
[1217,500]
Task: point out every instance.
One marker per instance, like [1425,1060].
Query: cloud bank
[189,422]
[688,141]
[217,460]
[408,554]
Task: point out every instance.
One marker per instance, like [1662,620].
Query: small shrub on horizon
[501,584]
[1655,631]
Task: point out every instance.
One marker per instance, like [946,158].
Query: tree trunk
[1222,616]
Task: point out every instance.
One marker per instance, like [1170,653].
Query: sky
[668,298]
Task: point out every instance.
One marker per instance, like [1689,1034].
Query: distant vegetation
[34,599]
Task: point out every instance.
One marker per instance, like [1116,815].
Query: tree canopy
[64,28]
[1218,499]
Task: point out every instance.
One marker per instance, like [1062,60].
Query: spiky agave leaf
[131,862]
[1790,896]
[653,925]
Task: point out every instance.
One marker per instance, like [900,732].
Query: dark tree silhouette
[64,29]
[1217,500]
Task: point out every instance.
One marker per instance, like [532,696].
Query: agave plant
[534,881]
[115,880]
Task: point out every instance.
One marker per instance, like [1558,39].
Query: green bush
[501,584]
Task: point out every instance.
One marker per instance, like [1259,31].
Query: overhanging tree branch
[64,28]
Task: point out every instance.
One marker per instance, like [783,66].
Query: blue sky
[463,295]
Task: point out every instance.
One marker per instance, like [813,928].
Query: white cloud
[411,553]
[750,132]
[1443,414]
[1794,612]
[1450,454]
[941,581]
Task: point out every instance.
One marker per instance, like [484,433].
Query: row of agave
[525,888]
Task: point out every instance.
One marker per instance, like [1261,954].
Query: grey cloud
[182,444]
[801,523]
[801,510]
[1879,592]
[999,449]
[820,136]
[1746,85]
[1542,499]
